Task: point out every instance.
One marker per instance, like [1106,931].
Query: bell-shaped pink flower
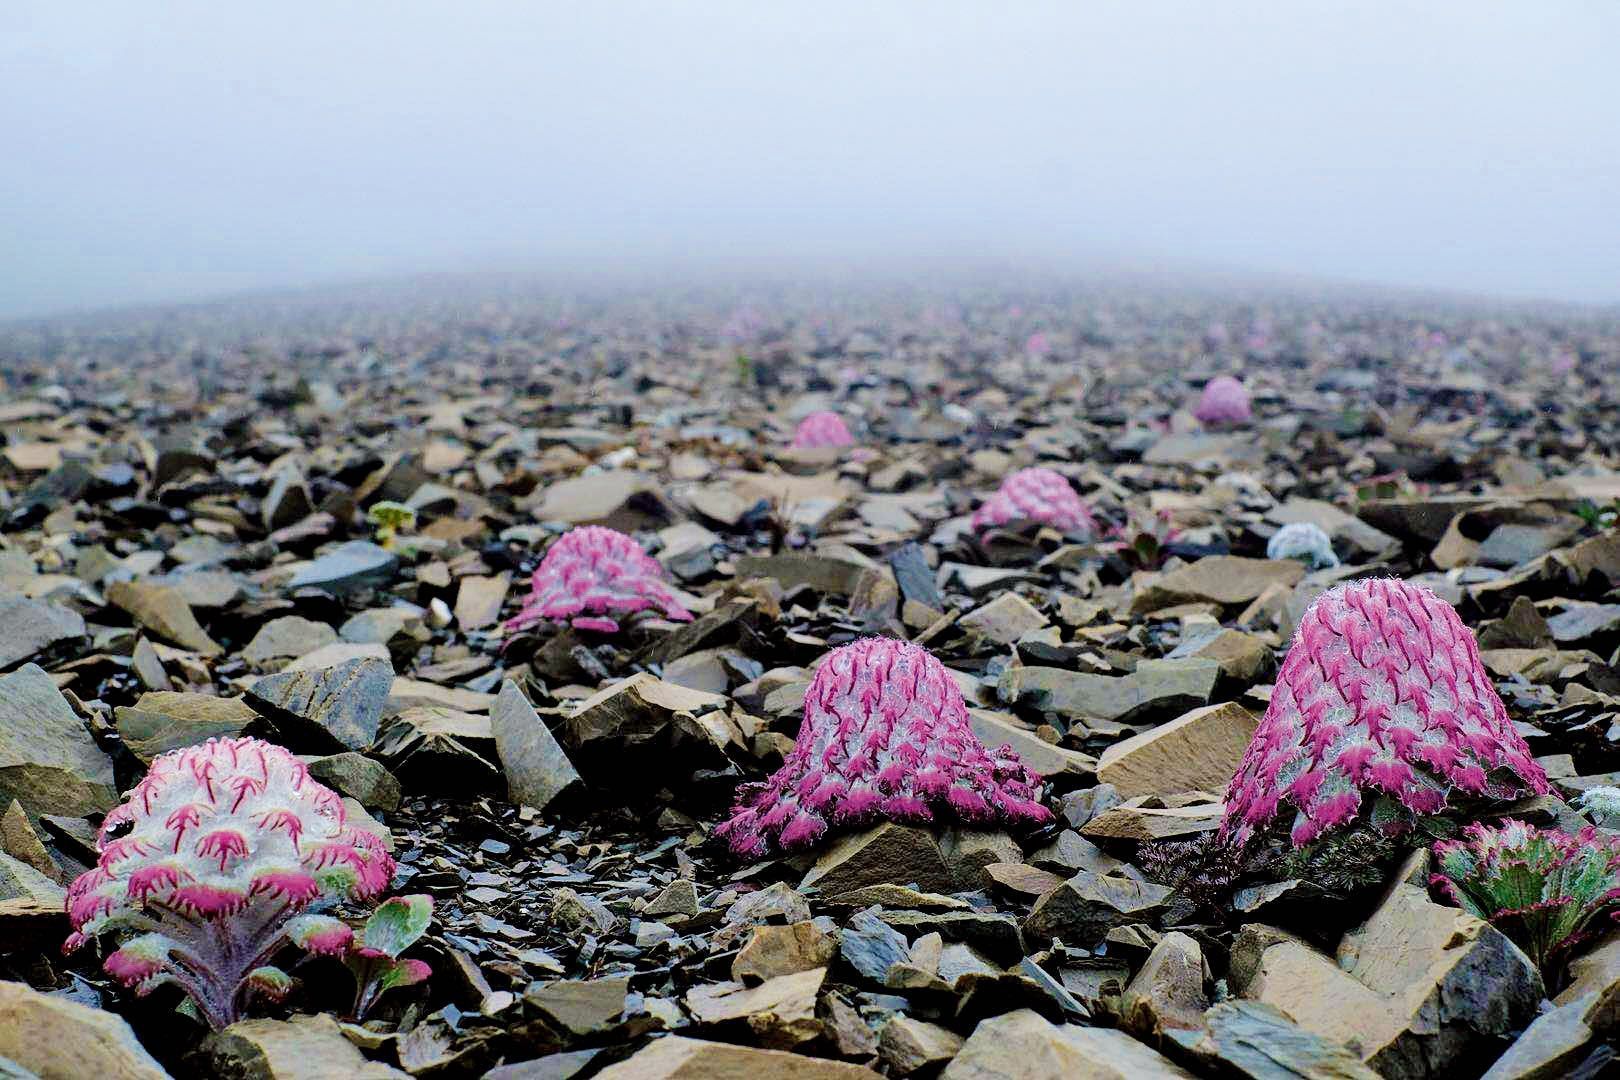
[821,429]
[1225,401]
[1382,694]
[1036,495]
[210,860]
[885,737]
[592,574]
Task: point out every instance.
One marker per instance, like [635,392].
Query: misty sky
[176,150]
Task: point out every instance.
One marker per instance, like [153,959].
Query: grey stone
[359,777]
[165,612]
[164,720]
[358,564]
[1583,621]
[1551,1047]
[1087,905]
[287,638]
[19,881]
[915,577]
[537,770]
[871,946]
[32,628]
[1156,686]
[288,501]
[48,761]
[337,708]
[1257,1042]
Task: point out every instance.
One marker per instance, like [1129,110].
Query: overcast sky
[176,150]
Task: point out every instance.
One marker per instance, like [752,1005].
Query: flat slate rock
[335,708]
[48,761]
[537,770]
[358,564]
[32,628]
[164,611]
[165,720]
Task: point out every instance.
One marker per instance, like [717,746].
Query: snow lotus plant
[374,959]
[1381,706]
[591,574]
[822,429]
[1544,888]
[885,737]
[209,869]
[1224,401]
[1036,494]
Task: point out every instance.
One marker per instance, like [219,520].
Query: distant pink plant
[885,737]
[1382,691]
[1225,401]
[1035,495]
[591,573]
[211,858]
[821,429]
[1038,344]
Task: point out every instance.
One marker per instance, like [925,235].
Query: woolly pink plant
[1036,495]
[821,429]
[592,573]
[885,737]
[1225,401]
[211,859]
[1382,692]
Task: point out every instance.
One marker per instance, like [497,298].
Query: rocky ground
[185,551]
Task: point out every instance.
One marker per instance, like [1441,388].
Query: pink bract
[592,574]
[885,737]
[1382,693]
[822,429]
[1225,401]
[210,859]
[1036,495]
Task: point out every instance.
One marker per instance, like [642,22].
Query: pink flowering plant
[1545,888]
[1382,705]
[821,429]
[1224,401]
[591,574]
[1039,495]
[374,959]
[885,737]
[208,870]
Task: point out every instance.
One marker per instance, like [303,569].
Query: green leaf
[320,934]
[397,923]
[270,981]
[404,973]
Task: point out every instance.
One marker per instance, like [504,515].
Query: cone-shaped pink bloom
[591,574]
[1225,401]
[210,860]
[1382,693]
[822,429]
[1036,495]
[885,737]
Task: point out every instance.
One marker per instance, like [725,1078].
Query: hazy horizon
[197,152]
